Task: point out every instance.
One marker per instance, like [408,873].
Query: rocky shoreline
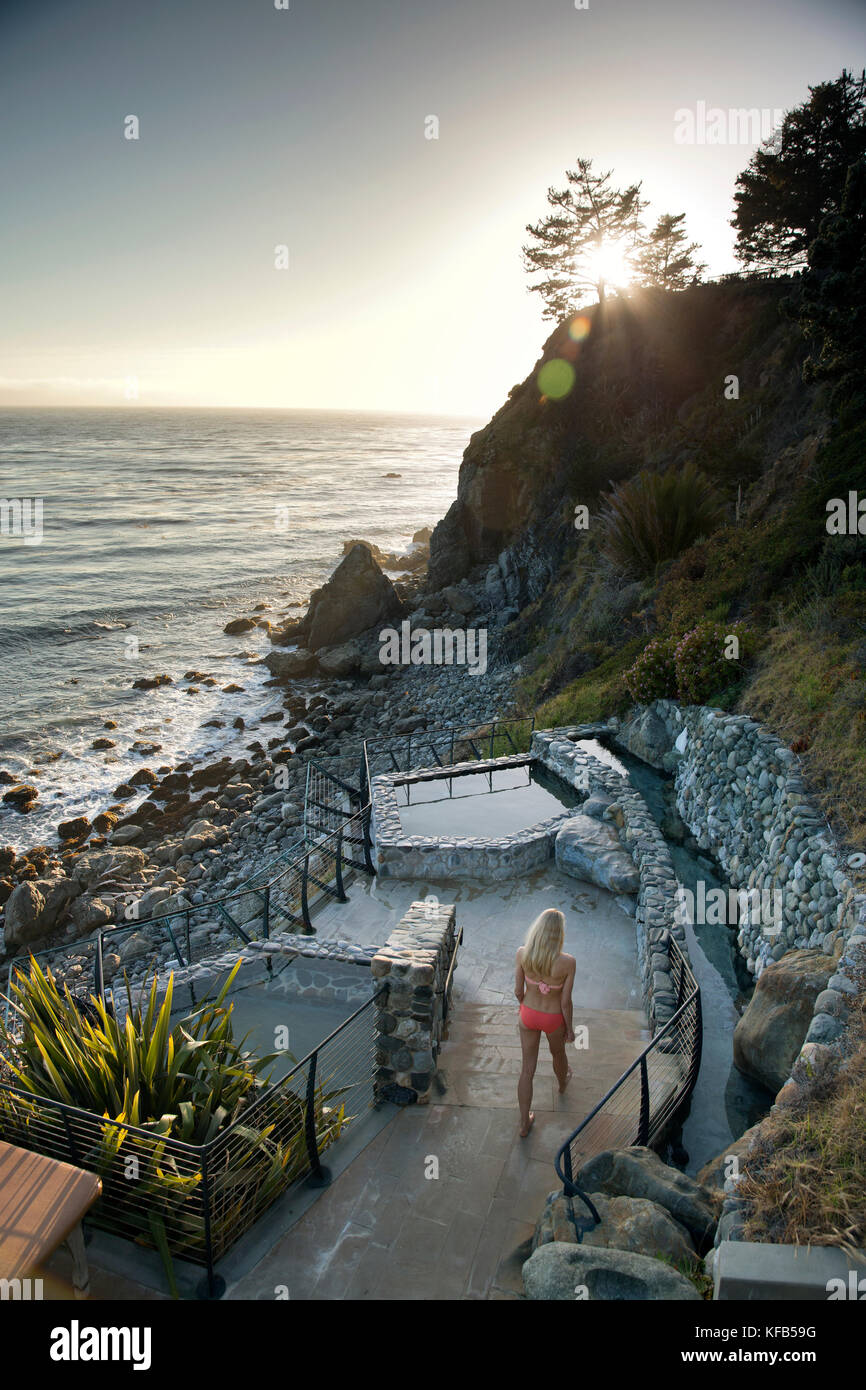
[200,830]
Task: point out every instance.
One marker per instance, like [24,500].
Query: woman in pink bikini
[543,988]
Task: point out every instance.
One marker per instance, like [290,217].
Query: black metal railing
[194,1202]
[265,903]
[446,746]
[647,1097]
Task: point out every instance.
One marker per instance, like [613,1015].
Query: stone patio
[386,1230]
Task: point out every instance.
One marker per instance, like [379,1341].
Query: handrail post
[643,1120]
[266,915]
[213,1286]
[368,839]
[100,969]
[319,1176]
[341,892]
[305,905]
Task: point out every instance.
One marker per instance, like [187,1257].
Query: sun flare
[610,262]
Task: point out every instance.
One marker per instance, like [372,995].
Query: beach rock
[773,1028]
[100,744]
[21,796]
[590,850]
[8,857]
[639,1172]
[88,914]
[239,625]
[6,778]
[627,1223]
[291,665]
[106,820]
[74,829]
[144,777]
[24,912]
[356,597]
[340,661]
[6,886]
[151,682]
[35,907]
[562,1272]
[115,863]
[127,834]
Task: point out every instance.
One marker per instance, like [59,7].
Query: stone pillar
[413,966]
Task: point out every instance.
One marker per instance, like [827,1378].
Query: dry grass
[807,1183]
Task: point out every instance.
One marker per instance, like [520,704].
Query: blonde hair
[543,943]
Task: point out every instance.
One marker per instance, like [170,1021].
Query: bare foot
[565,1082]
[524,1132]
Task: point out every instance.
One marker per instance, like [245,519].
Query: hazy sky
[152,261]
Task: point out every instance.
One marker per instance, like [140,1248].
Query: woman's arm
[566,1002]
[519,978]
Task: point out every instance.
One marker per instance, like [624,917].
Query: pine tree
[665,258]
[798,176]
[588,214]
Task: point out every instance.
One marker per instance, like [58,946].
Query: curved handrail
[688,1014]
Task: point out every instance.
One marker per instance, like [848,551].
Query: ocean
[154,529]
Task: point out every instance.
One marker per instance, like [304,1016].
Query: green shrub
[702,668]
[653,675]
[653,517]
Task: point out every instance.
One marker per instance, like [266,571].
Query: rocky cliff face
[648,380]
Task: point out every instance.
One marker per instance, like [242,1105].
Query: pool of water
[487,805]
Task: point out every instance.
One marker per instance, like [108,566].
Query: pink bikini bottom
[544,1023]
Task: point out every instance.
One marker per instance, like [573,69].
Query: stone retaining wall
[741,793]
[656,908]
[413,966]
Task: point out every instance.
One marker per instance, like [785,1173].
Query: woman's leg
[556,1042]
[529,1040]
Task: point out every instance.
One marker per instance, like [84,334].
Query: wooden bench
[42,1202]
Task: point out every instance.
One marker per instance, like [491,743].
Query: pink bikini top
[545,989]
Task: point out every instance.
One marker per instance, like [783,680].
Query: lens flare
[579,328]
[556,378]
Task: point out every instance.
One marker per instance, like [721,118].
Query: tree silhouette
[798,176]
[588,214]
[666,258]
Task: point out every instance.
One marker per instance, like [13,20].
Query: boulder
[21,796]
[639,1172]
[291,665]
[116,863]
[459,600]
[340,661]
[627,1223]
[647,737]
[590,850]
[24,912]
[126,834]
[74,829]
[563,1272]
[773,1028]
[239,625]
[356,597]
[89,913]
